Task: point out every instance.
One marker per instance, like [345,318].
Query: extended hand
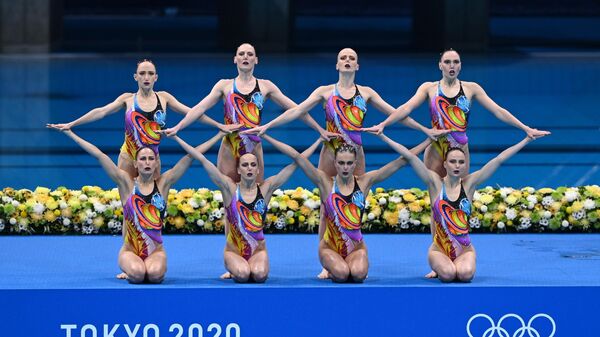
[259,131]
[327,135]
[59,127]
[376,129]
[535,133]
[230,128]
[434,134]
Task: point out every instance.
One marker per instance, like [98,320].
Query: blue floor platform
[65,286]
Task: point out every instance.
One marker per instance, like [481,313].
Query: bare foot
[431,274]
[122,276]
[323,275]
[225,276]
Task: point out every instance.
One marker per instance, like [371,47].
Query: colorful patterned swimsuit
[343,217]
[451,219]
[345,116]
[143,216]
[141,128]
[245,109]
[246,223]
[450,114]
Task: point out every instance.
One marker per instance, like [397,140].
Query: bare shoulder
[124,97]
[223,84]
[267,85]
[470,85]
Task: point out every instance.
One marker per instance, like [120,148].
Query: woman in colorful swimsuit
[344,117]
[246,203]
[145,116]
[342,250]
[451,255]
[142,257]
[449,105]
[243,97]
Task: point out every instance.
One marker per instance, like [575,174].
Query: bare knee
[136,273]
[446,273]
[240,273]
[465,273]
[259,274]
[359,274]
[339,272]
[155,273]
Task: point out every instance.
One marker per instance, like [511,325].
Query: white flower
[62,204]
[547,200]
[544,222]
[193,203]
[531,205]
[571,194]
[280,223]
[501,225]
[312,204]
[273,204]
[547,214]
[415,222]
[404,224]
[565,223]
[579,215]
[511,213]
[483,208]
[476,196]
[371,216]
[200,222]
[382,201]
[278,193]
[6,199]
[589,204]
[1,226]
[99,207]
[505,191]
[15,203]
[12,221]
[532,199]
[394,199]
[404,214]
[211,218]
[202,203]
[289,214]
[83,197]
[218,196]
[474,222]
[529,190]
[525,223]
[67,222]
[22,227]
[38,208]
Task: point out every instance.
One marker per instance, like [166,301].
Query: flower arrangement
[92,210]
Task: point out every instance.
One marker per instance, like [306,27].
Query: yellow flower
[36,217]
[305,210]
[98,221]
[497,216]
[545,190]
[391,218]
[577,206]
[502,208]
[301,218]
[409,197]
[186,208]
[118,212]
[293,205]
[486,199]
[51,204]
[426,219]
[41,190]
[219,225]
[415,207]
[379,190]
[67,213]
[556,206]
[179,222]
[511,199]
[186,193]
[290,221]
[49,216]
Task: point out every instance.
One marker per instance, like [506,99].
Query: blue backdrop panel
[343,311]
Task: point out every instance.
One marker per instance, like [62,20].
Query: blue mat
[69,262]
[538,285]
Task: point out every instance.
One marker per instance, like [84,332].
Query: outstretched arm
[94,114]
[290,114]
[317,176]
[120,177]
[379,175]
[226,185]
[279,179]
[199,109]
[171,176]
[402,111]
[426,175]
[502,114]
[474,179]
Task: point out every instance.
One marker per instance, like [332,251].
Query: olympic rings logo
[520,332]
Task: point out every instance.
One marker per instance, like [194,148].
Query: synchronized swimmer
[340,175]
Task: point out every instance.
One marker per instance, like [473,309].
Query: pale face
[347,61]
[248,167]
[146,75]
[146,162]
[345,163]
[450,64]
[456,164]
[245,57]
